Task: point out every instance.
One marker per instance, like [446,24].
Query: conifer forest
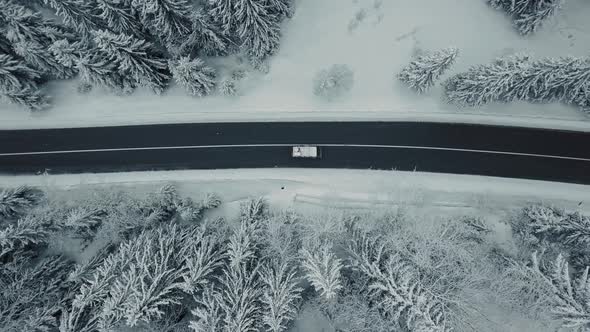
[112,260]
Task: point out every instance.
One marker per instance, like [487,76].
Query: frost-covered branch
[422,73]
[15,201]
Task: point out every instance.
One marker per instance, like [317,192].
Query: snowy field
[376,39]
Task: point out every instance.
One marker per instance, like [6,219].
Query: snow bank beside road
[339,188]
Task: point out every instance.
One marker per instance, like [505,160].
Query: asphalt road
[432,147]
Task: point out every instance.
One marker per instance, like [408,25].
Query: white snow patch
[336,188]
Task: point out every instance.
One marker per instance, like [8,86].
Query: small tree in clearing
[333,82]
[422,73]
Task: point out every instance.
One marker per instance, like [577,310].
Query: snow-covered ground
[376,39]
[338,189]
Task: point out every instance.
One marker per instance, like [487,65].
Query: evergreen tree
[323,271]
[32,99]
[18,23]
[78,14]
[137,283]
[93,67]
[556,225]
[394,285]
[426,68]
[569,299]
[528,15]
[134,57]
[83,222]
[227,87]
[120,17]
[15,201]
[22,239]
[208,313]
[250,21]
[197,78]
[168,19]
[205,37]
[280,296]
[32,295]
[519,77]
[16,76]
[38,56]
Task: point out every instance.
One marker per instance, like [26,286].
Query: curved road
[432,147]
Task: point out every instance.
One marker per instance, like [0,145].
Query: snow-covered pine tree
[205,38]
[227,87]
[422,73]
[240,288]
[528,15]
[54,32]
[519,77]
[93,67]
[208,313]
[252,22]
[136,58]
[203,259]
[21,239]
[32,295]
[322,269]
[257,27]
[18,23]
[31,99]
[120,17]
[168,19]
[38,56]
[281,295]
[549,225]
[394,286]
[81,15]
[135,284]
[570,299]
[83,222]
[240,298]
[333,82]
[196,77]
[15,201]
[16,76]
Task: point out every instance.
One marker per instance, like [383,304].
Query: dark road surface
[432,147]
